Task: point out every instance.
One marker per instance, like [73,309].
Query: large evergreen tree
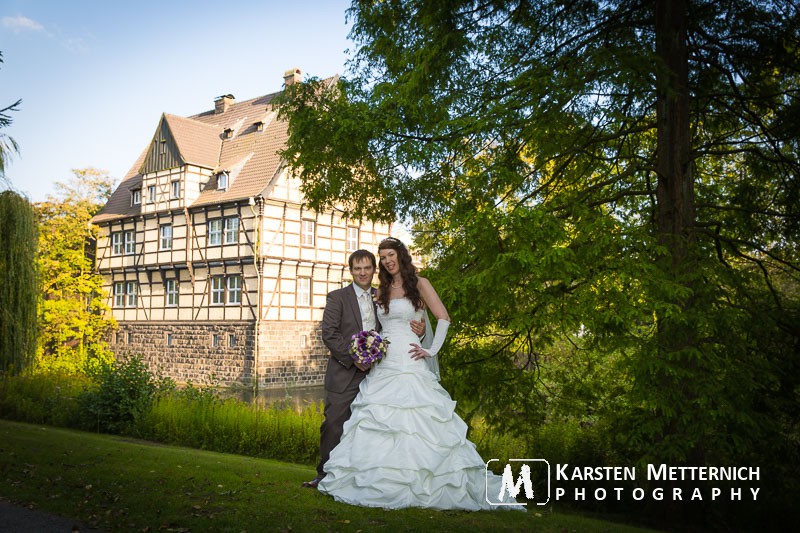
[618,176]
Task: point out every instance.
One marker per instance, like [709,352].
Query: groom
[347,311]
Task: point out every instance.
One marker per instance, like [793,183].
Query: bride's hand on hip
[417,352]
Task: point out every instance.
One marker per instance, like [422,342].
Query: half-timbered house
[215,270]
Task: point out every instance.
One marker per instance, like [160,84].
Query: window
[307,232]
[130,290]
[215,232]
[172,292]
[226,289]
[136,197]
[231,230]
[176,189]
[130,242]
[169,339]
[151,194]
[125,294]
[116,243]
[234,289]
[222,181]
[123,242]
[119,294]
[304,291]
[166,237]
[215,340]
[231,340]
[218,290]
[352,239]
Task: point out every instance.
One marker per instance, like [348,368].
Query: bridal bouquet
[367,347]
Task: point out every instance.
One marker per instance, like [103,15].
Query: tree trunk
[675,190]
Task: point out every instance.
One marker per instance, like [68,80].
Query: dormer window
[136,197]
[228,133]
[259,126]
[222,181]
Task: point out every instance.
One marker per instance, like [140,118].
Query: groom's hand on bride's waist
[418,327]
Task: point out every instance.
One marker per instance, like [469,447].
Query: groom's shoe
[313,483]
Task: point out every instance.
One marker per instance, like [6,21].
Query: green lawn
[120,484]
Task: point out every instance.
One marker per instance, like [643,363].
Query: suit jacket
[340,321]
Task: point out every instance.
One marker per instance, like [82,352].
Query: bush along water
[124,391]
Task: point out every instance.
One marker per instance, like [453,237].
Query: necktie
[366,311]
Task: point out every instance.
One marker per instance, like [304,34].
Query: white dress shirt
[366,306]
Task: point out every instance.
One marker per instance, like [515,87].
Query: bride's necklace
[396,286]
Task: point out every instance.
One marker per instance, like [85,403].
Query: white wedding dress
[404,446]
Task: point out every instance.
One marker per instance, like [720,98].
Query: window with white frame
[116,243]
[215,232]
[136,197]
[119,294]
[172,292]
[176,189]
[165,242]
[218,290]
[231,230]
[123,242]
[226,289]
[352,239]
[222,181]
[130,293]
[234,289]
[130,242]
[151,194]
[307,232]
[304,291]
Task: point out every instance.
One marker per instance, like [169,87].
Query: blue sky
[95,76]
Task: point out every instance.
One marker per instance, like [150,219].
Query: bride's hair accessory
[368,347]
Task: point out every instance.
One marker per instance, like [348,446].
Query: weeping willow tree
[18,283]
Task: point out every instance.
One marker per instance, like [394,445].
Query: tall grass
[230,425]
[50,398]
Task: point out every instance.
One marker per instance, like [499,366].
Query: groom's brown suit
[340,321]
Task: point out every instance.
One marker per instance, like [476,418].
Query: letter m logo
[507,488]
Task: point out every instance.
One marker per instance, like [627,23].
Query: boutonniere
[374,292]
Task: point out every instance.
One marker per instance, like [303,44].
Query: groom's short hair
[358,255]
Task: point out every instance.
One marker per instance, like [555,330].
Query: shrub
[125,391]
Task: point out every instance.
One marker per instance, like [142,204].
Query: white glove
[438,337]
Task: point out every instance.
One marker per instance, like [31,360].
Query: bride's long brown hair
[407,271]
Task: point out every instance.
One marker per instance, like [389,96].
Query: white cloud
[21,23]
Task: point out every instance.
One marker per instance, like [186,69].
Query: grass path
[119,484]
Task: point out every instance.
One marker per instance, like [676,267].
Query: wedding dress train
[404,445]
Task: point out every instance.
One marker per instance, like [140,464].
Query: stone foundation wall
[291,353]
[223,354]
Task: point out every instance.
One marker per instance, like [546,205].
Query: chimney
[292,76]
[222,103]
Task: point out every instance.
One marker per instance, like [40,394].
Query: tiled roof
[249,156]
[199,143]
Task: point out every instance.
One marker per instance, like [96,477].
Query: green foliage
[616,242]
[43,398]
[7,144]
[19,285]
[124,392]
[233,426]
[74,317]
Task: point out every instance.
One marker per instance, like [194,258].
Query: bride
[404,446]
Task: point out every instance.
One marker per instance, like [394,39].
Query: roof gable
[179,141]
